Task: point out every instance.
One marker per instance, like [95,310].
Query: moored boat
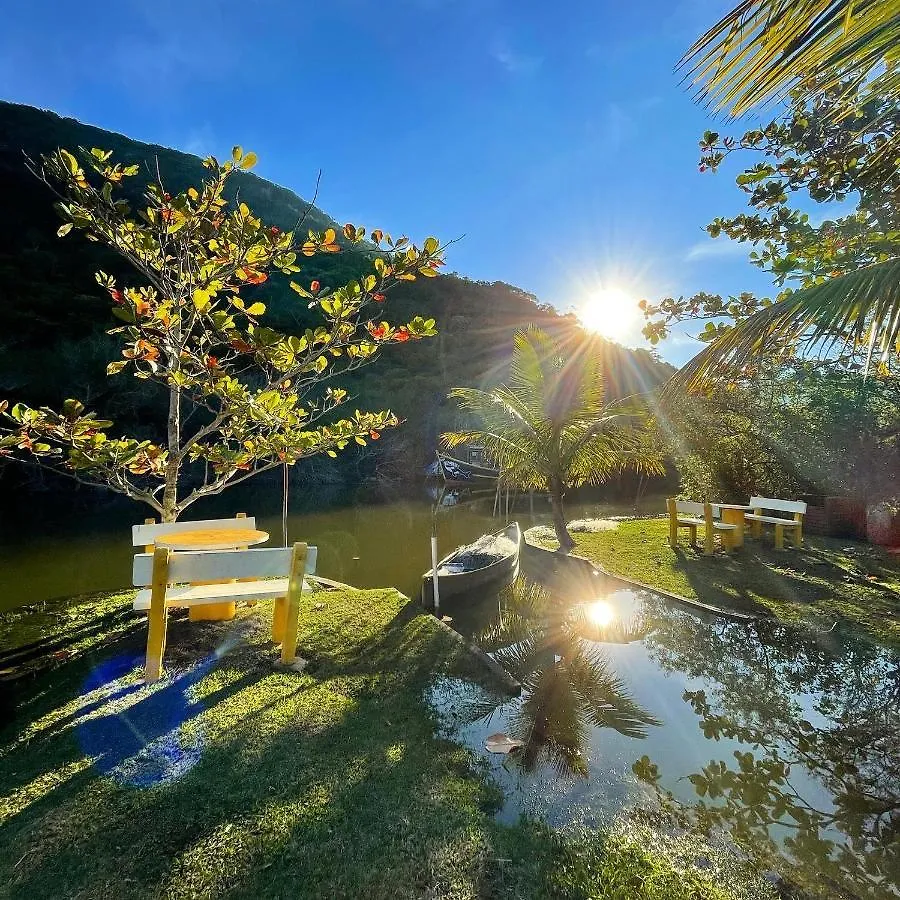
[458,471]
[491,560]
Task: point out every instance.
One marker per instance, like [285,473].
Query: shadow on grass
[235,780]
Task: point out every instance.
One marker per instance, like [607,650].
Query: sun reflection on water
[600,613]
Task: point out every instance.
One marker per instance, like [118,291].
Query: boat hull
[456,471]
[496,575]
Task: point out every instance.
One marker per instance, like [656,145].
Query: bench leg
[756,528]
[279,616]
[798,530]
[158,618]
[673,523]
[693,535]
[779,537]
[295,588]
[709,540]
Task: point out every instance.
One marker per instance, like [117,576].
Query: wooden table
[213,539]
[733,514]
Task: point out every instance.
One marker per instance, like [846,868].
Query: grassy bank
[827,581]
[229,778]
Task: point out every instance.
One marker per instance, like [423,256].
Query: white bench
[693,515]
[169,578]
[758,519]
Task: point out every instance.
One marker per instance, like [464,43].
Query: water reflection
[569,686]
[783,740]
[816,791]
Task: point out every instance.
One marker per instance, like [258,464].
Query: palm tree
[551,428]
[765,49]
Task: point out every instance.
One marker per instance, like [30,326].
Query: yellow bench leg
[779,537]
[295,588]
[279,617]
[756,528]
[156,627]
[673,523]
[798,529]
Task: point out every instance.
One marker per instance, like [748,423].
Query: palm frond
[763,49]
[861,306]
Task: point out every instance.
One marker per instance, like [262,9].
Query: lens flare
[611,312]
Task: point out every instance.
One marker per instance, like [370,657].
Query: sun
[611,312]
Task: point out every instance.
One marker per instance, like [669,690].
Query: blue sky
[554,136]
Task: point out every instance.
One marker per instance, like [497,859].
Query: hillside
[53,317]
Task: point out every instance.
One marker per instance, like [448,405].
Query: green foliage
[256,392]
[552,428]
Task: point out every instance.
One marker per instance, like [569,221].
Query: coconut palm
[551,428]
[764,49]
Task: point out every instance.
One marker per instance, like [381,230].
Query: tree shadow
[233,779]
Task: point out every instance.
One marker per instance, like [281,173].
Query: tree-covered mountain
[53,316]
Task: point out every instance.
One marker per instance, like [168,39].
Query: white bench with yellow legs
[170,578]
[693,515]
[757,519]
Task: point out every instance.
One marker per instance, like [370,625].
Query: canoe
[454,577]
[459,471]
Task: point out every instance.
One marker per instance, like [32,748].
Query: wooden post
[156,626]
[779,537]
[673,522]
[798,529]
[148,548]
[708,536]
[757,526]
[295,588]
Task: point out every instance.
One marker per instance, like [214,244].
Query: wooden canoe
[500,572]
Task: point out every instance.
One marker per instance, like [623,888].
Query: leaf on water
[501,743]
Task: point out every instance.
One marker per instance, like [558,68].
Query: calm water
[786,740]
[364,540]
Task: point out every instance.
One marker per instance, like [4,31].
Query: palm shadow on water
[569,687]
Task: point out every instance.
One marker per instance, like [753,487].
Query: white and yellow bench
[169,578]
[693,515]
[757,519]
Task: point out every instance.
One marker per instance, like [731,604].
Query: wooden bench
[693,515]
[757,519]
[169,578]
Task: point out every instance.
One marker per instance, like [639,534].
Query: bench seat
[718,526]
[198,594]
[772,520]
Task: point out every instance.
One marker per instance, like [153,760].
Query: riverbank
[828,583]
[230,778]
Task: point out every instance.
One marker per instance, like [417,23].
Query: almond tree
[242,398]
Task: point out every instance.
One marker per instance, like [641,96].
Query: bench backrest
[788,506]
[220,565]
[693,508]
[144,535]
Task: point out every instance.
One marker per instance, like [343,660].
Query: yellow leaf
[329,237]
[201,299]
[248,162]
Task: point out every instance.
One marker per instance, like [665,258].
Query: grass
[827,581]
[231,779]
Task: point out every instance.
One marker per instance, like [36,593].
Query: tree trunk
[566,544]
[170,492]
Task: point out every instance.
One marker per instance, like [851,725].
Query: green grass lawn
[829,580]
[231,779]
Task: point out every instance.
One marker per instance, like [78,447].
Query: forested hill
[53,316]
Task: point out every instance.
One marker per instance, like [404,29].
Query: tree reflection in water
[815,791]
[568,686]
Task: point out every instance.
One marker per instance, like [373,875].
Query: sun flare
[611,312]
[601,613]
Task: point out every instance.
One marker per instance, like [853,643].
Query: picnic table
[733,514]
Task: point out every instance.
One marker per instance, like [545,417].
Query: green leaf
[115,367]
[70,161]
[63,230]
[237,152]
[431,245]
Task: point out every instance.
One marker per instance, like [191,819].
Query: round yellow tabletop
[213,539]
